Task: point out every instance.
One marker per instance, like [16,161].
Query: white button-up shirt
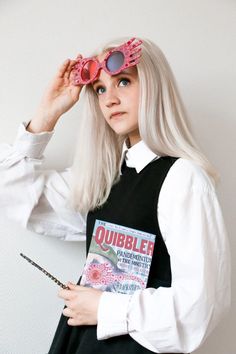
[164,320]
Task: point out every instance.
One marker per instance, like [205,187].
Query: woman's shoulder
[186,174]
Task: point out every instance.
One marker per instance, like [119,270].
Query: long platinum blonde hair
[163,126]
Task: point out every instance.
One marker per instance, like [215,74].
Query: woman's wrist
[39,125]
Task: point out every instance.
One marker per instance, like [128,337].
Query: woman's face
[120,94]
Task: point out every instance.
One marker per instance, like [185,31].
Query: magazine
[119,258]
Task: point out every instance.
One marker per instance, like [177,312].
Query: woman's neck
[133,138]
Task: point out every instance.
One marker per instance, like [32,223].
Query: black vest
[131,203]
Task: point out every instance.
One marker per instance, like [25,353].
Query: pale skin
[117,93]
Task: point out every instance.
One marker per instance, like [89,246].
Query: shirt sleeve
[179,318]
[36,198]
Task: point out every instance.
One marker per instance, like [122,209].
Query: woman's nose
[111,97]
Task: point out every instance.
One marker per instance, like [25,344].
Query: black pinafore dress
[132,203]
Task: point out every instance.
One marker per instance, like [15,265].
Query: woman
[137,166]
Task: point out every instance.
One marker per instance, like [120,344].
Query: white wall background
[198,38]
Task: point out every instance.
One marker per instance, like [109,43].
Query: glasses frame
[131,51]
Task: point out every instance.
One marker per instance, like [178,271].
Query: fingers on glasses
[64,70]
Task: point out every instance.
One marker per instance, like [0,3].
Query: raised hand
[59,96]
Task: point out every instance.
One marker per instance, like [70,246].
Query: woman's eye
[124,82]
[99,90]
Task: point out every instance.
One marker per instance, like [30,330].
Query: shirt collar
[137,156]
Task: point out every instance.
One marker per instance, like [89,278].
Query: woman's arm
[36,199]
[179,318]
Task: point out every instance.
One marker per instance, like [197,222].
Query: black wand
[45,272]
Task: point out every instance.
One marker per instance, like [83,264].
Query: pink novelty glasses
[87,70]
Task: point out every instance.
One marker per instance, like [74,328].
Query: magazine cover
[119,258]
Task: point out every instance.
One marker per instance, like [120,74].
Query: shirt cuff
[31,144]
[112,315]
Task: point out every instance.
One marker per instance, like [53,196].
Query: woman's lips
[118,114]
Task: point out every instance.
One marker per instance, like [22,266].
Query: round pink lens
[89,70]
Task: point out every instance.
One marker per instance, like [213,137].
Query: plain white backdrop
[198,38]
